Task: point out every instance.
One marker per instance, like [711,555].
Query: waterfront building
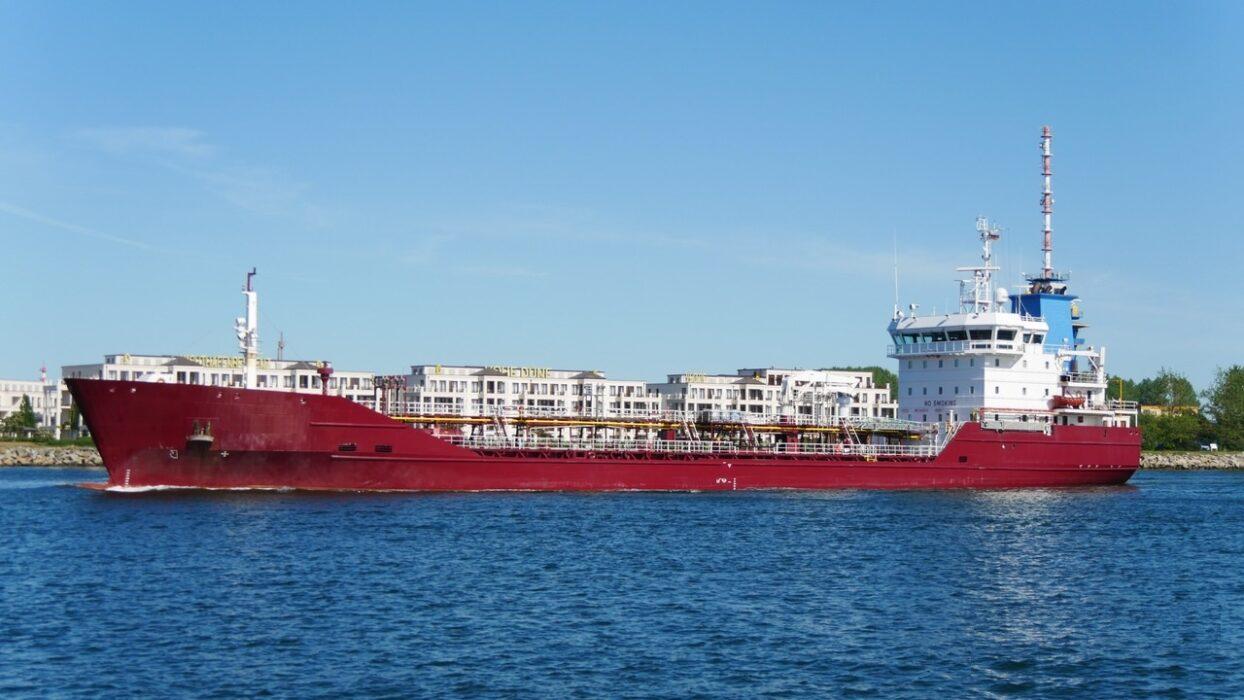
[299,376]
[820,394]
[44,400]
[480,390]
[477,389]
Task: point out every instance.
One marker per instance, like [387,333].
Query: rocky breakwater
[1192,460]
[48,456]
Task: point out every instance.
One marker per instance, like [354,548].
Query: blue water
[1108,592]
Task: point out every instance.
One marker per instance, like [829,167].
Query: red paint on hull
[269,439]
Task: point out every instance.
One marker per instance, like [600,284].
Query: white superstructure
[1005,359]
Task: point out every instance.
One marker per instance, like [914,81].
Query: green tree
[1224,404]
[1181,431]
[1168,389]
[22,420]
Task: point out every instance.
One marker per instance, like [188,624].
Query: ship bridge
[1001,359]
[966,333]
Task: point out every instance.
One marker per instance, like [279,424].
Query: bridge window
[1037,338]
[957,335]
[979,334]
[1006,334]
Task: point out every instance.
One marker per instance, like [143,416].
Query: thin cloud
[188,152]
[168,140]
[73,228]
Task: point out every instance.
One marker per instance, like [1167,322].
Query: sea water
[1092,592]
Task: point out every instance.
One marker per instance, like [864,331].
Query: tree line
[1189,419]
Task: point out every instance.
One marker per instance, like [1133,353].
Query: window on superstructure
[997,362]
[997,390]
[957,335]
[1006,334]
[979,334]
[909,391]
[1024,391]
[939,391]
[1037,338]
[971,390]
[956,391]
[1047,392]
[924,391]
[940,363]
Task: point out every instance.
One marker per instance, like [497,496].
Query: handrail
[691,446]
[948,347]
[415,410]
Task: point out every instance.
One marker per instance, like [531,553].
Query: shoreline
[35,455]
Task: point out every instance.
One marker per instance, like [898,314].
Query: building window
[940,364]
[939,391]
[924,391]
[909,391]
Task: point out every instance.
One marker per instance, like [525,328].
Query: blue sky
[637,188]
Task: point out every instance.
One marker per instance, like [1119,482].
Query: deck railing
[953,347]
[416,410]
[717,447]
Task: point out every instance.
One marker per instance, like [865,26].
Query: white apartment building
[44,400]
[477,389]
[300,376]
[822,394]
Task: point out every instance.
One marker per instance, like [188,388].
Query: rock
[1192,460]
[49,456]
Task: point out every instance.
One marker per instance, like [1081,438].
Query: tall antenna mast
[897,313]
[1047,206]
[247,330]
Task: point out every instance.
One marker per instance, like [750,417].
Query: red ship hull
[270,439]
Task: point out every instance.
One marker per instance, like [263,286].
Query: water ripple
[1120,592]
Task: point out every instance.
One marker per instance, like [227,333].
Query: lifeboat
[1067,401]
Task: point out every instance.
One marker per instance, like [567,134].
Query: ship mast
[1047,207]
[980,298]
[247,329]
